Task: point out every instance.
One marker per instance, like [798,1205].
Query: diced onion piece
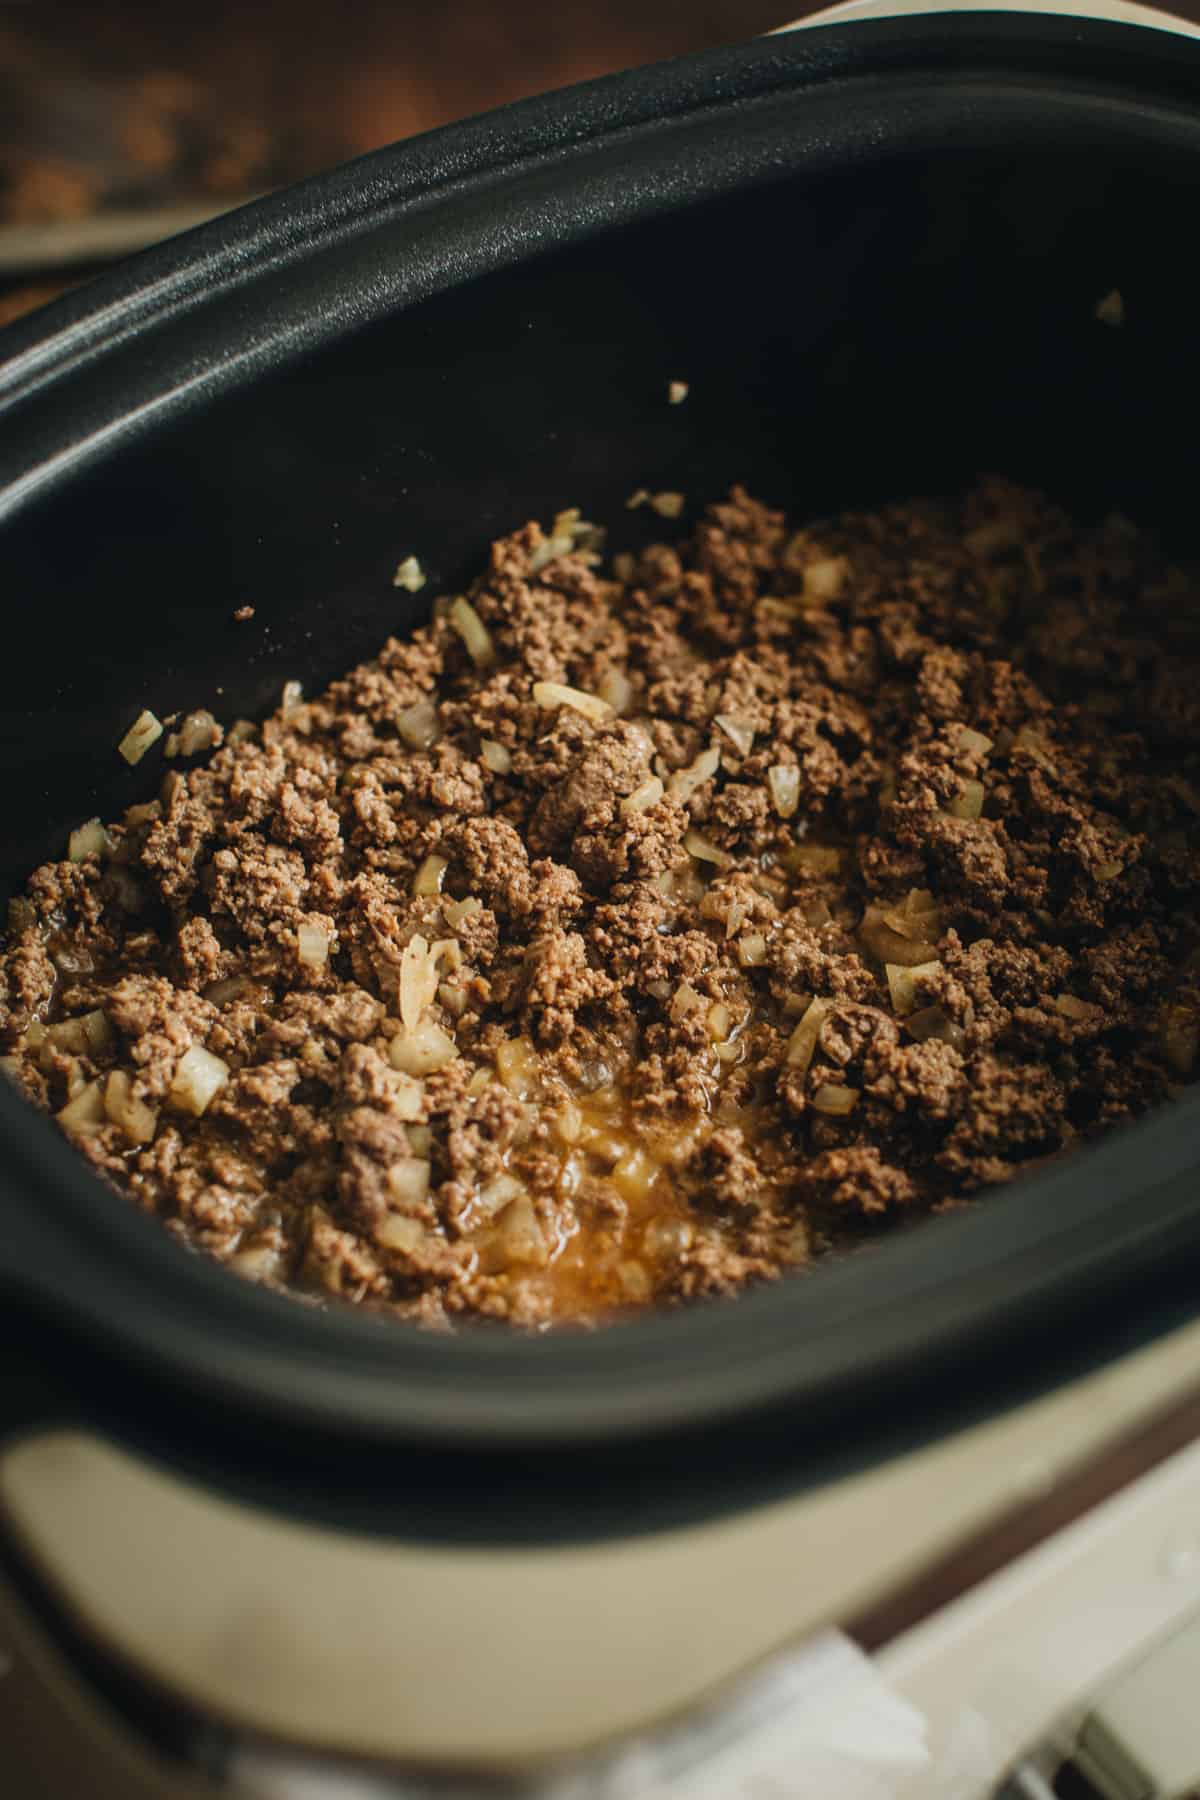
[667,505]
[137,1120]
[739,731]
[430,876]
[891,946]
[88,839]
[968,802]
[570,524]
[473,632]
[904,981]
[97,1031]
[814,859]
[421,1049]
[455,911]
[144,731]
[199,1077]
[684,782]
[67,1035]
[556,693]
[447,955]
[686,1000]
[407,1097]
[1108,871]
[607,1146]
[568,1122]
[418,980]
[312,945]
[738,907]
[498,1193]
[933,1022]
[803,1042]
[85,1036]
[752,950]
[1072,1007]
[1030,739]
[257,1262]
[704,850]
[677,392]
[783,779]
[86,1111]
[420,1138]
[408,1182]
[635,1174]
[834,1099]
[615,687]
[1111,309]
[418,724]
[648,793]
[918,917]
[409,575]
[220,993]
[520,1235]
[550,549]
[973,743]
[518,1066]
[291,699]
[720,1021]
[398,1232]
[239,732]
[639,497]
[901,987]
[198,732]
[453,996]
[495,756]
[825,579]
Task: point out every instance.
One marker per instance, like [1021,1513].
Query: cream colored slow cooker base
[342,1642]
[1123,12]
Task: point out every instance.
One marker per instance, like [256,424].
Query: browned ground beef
[857,874]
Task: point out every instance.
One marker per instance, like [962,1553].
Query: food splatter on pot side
[640,930]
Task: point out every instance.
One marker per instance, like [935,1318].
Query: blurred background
[125,121]
[120,122]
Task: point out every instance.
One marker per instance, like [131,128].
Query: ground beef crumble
[641,929]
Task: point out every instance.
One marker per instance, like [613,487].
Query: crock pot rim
[965,1285]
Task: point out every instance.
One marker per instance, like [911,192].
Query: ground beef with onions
[644,928]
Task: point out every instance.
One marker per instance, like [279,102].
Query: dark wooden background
[145,103]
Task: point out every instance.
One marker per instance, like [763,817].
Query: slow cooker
[925,1523]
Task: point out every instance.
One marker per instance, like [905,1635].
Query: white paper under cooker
[819,1720]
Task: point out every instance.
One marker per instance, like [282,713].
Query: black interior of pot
[907,315]
[895,330]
